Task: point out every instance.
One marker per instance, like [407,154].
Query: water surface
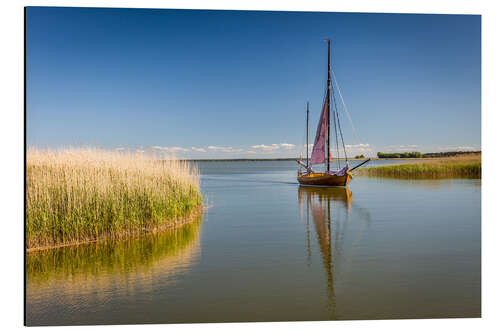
[269,250]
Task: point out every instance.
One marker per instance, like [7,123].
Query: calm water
[268,250]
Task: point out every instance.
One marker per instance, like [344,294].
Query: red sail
[318,152]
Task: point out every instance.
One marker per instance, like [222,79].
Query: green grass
[80,195]
[452,167]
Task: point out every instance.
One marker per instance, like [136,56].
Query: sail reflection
[322,204]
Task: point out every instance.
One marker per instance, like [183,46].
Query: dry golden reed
[85,194]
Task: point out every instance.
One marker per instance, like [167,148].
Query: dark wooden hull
[323,179]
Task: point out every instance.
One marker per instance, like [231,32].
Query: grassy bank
[80,195]
[467,166]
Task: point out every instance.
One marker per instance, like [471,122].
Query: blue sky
[225,84]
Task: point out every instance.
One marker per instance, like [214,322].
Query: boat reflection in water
[87,277]
[324,205]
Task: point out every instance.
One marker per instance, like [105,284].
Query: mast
[307,137]
[328,112]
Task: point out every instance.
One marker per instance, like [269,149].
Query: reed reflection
[319,204]
[125,267]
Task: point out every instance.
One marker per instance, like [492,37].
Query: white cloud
[219,148]
[251,152]
[225,149]
[171,149]
[458,148]
[273,146]
[287,145]
[400,148]
[266,147]
[177,149]
[200,150]
[232,150]
[360,147]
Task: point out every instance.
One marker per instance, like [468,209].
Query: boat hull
[324,179]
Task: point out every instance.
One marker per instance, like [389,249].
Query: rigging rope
[340,130]
[345,107]
[347,111]
[335,127]
[336,138]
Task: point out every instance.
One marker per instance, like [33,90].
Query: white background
[12,162]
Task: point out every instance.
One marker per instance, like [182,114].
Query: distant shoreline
[424,156]
[258,159]
[296,158]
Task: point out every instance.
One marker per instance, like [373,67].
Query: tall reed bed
[84,194]
[468,166]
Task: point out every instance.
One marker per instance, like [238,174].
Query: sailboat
[321,148]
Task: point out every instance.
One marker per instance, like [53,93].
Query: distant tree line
[416,154]
[450,153]
[359,156]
